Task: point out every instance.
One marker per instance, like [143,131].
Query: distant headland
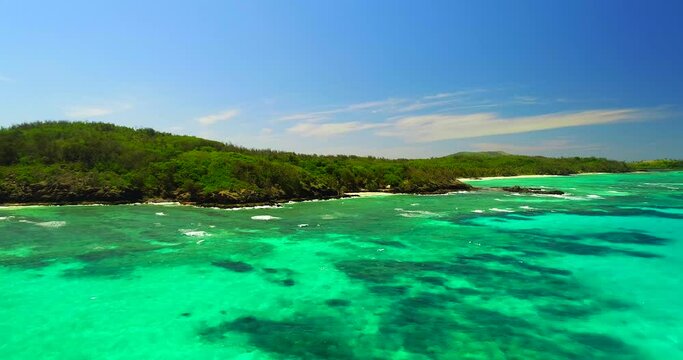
[81,162]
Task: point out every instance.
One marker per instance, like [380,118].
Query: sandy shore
[507,177]
[369,193]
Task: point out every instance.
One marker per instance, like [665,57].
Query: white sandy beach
[369,193]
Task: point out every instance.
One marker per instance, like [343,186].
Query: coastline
[537,176]
[370,194]
[170,202]
[278,203]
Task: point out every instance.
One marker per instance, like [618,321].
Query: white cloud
[94,111]
[88,112]
[214,118]
[427,128]
[525,100]
[5,79]
[389,106]
[439,96]
[539,148]
[421,105]
[372,106]
[330,129]
[313,116]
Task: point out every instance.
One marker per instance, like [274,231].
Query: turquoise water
[596,274]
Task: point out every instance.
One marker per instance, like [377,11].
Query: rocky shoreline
[103,197]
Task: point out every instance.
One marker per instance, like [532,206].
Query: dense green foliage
[662,164]
[75,161]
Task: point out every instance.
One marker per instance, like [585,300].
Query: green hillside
[72,162]
[662,164]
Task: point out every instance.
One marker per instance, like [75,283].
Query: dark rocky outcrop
[532,190]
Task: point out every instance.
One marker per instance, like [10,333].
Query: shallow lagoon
[597,274]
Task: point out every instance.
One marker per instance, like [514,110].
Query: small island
[82,162]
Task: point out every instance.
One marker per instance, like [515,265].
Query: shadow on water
[235,266]
[535,243]
[299,337]
[429,323]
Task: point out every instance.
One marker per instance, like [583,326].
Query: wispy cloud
[371,106]
[95,111]
[525,100]
[219,117]
[543,147]
[428,128]
[80,112]
[312,116]
[439,96]
[388,106]
[330,129]
[429,104]
[5,79]
[446,95]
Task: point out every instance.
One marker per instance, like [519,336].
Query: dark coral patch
[433,280]
[389,290]
[392,243]
[301,337]
[603,343]
[236,266]
[337,302]
[380,271]
[101,270]
[631,238]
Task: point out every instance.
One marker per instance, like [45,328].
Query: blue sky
[387,78]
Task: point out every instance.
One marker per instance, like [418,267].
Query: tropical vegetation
[74,162]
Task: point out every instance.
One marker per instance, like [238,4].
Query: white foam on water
[194,233]
[478,211]
[302,225]
[162,203]
[160,214]
[6,217]
[460,192]
[328,217]
[161,243]
[501,210]
[250,207]
[594,197]
[264,217]
[564,197]
[415,213]
[51,224]
[525,207]
[661,210]
[19,207]
[670,186]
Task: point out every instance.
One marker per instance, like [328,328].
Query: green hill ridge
[79,162]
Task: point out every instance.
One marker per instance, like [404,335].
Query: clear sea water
[596,274]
